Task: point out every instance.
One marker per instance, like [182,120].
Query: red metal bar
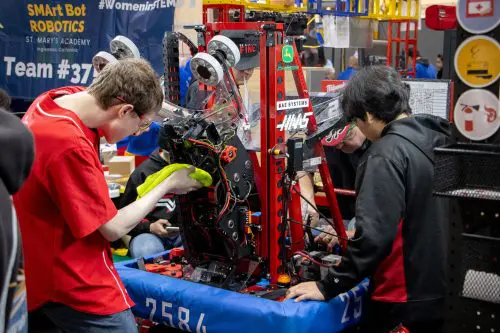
[414,43]
[389,44]
[398,43]
[275,167]
[322,201]
[296,230]
[264,157]
[303,92]
[219,26]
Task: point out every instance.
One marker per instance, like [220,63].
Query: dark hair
[309,58]
[378,90]
[321,57]
[411,53]
[4,100]
[440,56]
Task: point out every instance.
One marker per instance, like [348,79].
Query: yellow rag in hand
[156,178]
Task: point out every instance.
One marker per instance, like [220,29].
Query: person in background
[343,149]
[5,100]
[65,202]
[310,57]
[350,70]
[140,145]
[16,159]
[162,215]
[400,238]
[439,66]
[423,69]
[326,63]
[185,78]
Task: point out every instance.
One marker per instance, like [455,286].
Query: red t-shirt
[60,208]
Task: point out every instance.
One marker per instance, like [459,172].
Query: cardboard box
[108,151]
[122,165]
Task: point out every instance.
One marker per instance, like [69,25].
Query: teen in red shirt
[67,218]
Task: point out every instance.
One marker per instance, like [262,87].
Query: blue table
[204,309]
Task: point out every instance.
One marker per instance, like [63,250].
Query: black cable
[315,208]
[284,219]
[317,229]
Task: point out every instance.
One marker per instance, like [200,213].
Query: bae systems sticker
[292,104]
[476,114]
[478,16]
[477,61]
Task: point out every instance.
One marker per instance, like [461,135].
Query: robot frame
[246,226]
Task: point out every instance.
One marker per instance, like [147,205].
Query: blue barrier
[200,308]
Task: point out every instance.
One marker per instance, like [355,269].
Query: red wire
[312,259]
[201,143]
[228,198]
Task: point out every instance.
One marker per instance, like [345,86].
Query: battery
[330,260]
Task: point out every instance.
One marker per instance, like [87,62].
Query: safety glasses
[144,124]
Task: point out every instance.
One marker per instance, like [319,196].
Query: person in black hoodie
[163,214]
[400,238]
[16,159]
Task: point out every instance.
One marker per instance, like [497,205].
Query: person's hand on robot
[159,228]
[180,182]
[327,237]
[305,291]
[313,215]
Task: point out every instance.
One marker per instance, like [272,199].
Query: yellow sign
[477,61]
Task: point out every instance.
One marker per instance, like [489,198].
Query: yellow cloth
[156,178]
[120,252]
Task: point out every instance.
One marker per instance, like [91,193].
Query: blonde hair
[132,80]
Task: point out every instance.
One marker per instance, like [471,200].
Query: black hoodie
[16,159]
[164,208]
[400,226]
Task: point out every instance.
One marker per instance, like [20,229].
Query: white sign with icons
[476,114]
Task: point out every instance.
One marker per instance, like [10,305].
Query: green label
[287,54]
[287,68]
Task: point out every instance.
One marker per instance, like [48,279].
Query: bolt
[248,164]
[230,224]
[235,236]
[482,213]
[497,215]
[236,177]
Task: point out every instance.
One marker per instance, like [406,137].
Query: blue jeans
[148,244]
[72,321]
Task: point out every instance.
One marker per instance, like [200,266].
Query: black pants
[381,317]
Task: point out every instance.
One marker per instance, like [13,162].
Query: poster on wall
[47,44]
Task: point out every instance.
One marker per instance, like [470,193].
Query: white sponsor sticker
[292,104]
[295,122]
